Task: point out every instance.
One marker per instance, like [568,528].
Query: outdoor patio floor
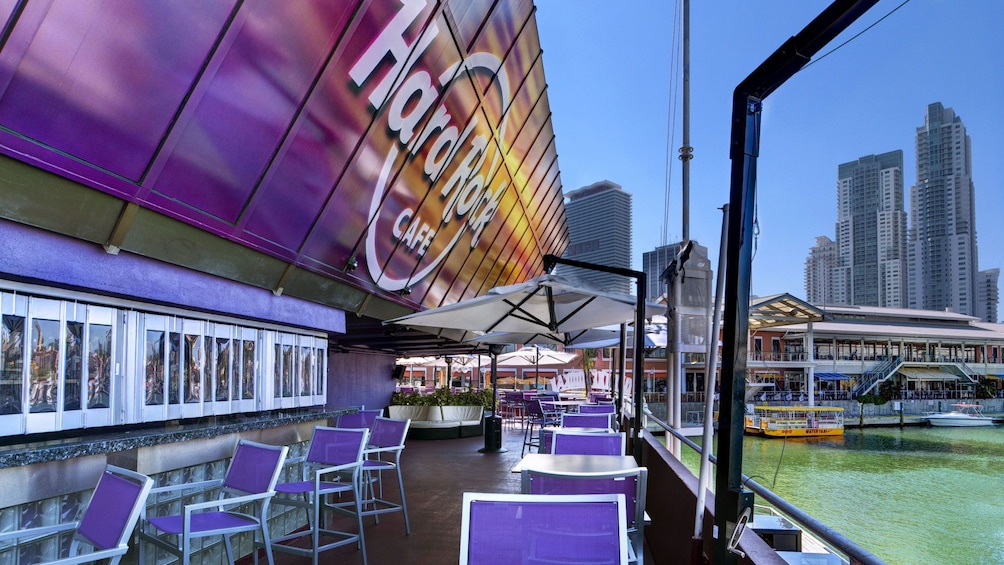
[436,474]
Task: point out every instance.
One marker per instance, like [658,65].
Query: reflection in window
[44,378]
[194,362]
[174,369]
[154,367]
[74,365]
[306,366]
[319,373]
[99,366]
[277,372]
[288,364]
[11,363]
[222,369]
[247,388]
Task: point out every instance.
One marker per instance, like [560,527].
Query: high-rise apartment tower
[599,231]
[942,238]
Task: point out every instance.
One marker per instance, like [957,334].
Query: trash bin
[493,433]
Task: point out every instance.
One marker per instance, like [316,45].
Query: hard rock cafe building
[208,208]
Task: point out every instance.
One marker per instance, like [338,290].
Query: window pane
[319,373]
[306,366]
[222,369]
[174,370]
[11,364]
[44,377]
[277,372]
[74,365]
[249,370]
[287,370]
[99,366]
[154,368]
[194,362]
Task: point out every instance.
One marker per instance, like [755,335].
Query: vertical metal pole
[639,363]
[710,364]
[686,151]
[811,361]
[728,483]
[676,380]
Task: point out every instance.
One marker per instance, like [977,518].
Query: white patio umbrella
[547,303]
[534,356]
[544,304]
[655,336]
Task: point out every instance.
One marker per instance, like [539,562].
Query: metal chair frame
[605,483]
[587,420]
[118,500]
[536,536]
[604,442]
[326,462]
[381,445]
[219,517]
[535,416]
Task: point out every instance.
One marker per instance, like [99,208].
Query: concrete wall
[357,380]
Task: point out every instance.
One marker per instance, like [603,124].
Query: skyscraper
[599,231]
[821,272]
[871,230]
[987,294]
[942,236]
[866,265]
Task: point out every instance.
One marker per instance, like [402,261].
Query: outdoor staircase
[875,375]
[968,371]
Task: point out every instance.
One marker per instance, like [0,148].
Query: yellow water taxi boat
[795,421]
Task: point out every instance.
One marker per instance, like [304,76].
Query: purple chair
[535,416]
[333,453]
[250,480]
[567,442]
[384,454]
[359,419]
[514,406]
[596,409]
[106,525]
[632,484]
[526,528]
[587,420]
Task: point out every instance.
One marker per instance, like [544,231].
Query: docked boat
[795,421]
[964,415]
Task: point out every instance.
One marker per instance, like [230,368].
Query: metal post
[639,324]
[686,151]
[787,60]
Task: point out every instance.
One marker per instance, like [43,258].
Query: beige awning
[927,374]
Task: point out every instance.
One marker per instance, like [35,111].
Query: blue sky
[609,68]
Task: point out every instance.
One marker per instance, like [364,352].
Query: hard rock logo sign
[454,153]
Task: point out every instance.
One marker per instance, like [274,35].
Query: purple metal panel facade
[386,131]
[27,255]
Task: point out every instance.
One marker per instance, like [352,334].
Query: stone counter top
[132,437]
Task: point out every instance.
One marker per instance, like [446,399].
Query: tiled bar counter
[46,482]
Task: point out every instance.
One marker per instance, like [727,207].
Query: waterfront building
[599,231]
[987,294]
[821,273]
[839,352]
[943,256]
[858,350]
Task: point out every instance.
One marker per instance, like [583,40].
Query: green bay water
[911,496]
